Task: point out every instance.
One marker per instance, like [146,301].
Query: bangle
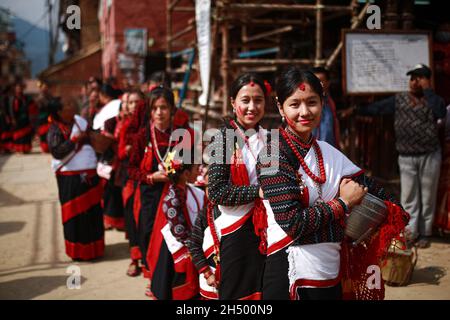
[207,273]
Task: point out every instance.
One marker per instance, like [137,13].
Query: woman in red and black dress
[234,191]
[174,276]
[124,133]
[309,188]
[19,109]
[151,145]
[80,192]
[43,100]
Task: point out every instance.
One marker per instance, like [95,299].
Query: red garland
[317,179]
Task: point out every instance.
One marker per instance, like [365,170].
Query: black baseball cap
[420,70]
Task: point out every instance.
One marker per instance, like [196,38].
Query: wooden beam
[356,22]
[285,7]
[269,62]
[183,9]
[173,4]
[181,33]
[268,33]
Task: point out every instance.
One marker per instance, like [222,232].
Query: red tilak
[302,86]
[252,84]
[315,178]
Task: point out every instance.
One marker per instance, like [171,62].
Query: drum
[365,218]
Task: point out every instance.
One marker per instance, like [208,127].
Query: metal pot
[365,218]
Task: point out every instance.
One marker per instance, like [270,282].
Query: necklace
[319,159]
[244,137]
[156,148]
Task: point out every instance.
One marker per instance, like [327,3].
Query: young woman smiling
[233,190]
[308,195]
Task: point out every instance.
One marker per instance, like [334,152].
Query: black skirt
[80,196]
[241,265]
[113,204]
[275,279]
[149,201]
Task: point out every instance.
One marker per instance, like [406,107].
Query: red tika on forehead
[302,86]
[252,84]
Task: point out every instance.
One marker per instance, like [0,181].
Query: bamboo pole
[261,62]
[225,60]
[354,25]
[268,33]
[318,32]
[168,35]
[284,7]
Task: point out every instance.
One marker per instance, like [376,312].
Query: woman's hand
[261,193]
[351,192]
[211,281]
[127,149]
[159,176]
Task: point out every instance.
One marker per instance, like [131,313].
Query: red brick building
[133,37]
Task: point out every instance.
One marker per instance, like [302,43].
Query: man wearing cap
[415,123]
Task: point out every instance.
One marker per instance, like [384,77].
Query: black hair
[54,106]
[321,70]
[136,91]
[290,79]
[160,77]
[245,79]
[109,91]
[155,94]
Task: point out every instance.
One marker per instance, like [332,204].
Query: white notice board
[375,62]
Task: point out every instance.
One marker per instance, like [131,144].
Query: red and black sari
[144,160]
[237,199]
[80,193]
[22,131]
[42,121]
[113,212]
[125,137]
[173,274]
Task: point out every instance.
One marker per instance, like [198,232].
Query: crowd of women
[261,227]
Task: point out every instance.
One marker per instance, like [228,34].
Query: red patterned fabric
[85,251]
[356,260]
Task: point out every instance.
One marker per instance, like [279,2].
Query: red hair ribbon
[302,86]
[268,87]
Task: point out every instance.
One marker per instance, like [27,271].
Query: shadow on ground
[29,288]
[117,251]
[428,275]
[11,227]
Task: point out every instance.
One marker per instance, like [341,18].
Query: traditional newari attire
[22,131]
[80,191]
[42,120]
[172,271]
[149,144]
[234,191]
[307,249]
[201,247]
[5,125]
[125,137]
[106,121]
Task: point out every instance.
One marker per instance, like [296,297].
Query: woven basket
[398,266]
